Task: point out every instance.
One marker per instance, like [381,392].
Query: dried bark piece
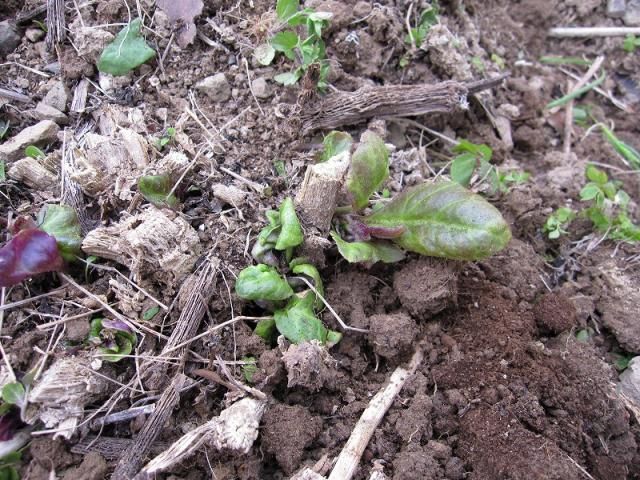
[151,244]
[33,174]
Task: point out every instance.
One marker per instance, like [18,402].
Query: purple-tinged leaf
[28,253]
[118,325]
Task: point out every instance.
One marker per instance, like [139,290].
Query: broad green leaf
[291,232]
[128,51]
[14,394]
[298,323]
[311,272]
[286,8]
[462,168]
[596,175]
[61,222]
[264,53]
[289,78]
[369,169]
[443,219]
[590,191]
[266,329]
[156,189]
[285,42]
[371,251]
[262,282]
[334,144]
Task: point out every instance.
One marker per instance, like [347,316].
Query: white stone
[57,96]
[260,87]
[216,87]
[47,112]
[630,381]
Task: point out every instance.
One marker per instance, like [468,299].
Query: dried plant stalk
[236,428]
[349,108]
[56,23]
[133,457]
[193,298]
[349,458]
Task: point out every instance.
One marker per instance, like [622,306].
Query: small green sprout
[148,315]
[114,338]
[167,137]
[41,25]
[626,151]
[249,368]
[156,189]
[4,128]
[556,224]
[34,152]
[550,60]
[308,50]
[428,18]
[631,42]
[3,174]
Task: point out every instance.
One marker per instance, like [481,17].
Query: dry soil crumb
[427,286]
[392,334]
[554,313]
[287,432]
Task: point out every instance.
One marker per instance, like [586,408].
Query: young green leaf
[286,8]
[3,175]
[298,323]
[558,221]
[285,42]
[334,144]
[34,152]
[128,51]
[266,329]
[368,252]
[61,222]
[631,42]
[369,169]
[311,272]
[262,282]
[4,128]
[265,54]
[462,168]
[156,189]
[291,233]
[114,338]
[630,154]
[150,313]
[289,78]
[14,394]
[249,368]
[596,175]
[443,219]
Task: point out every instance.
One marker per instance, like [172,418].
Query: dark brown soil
[505,391]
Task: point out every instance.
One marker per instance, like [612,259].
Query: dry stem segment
[111,448]
[318,195]
[56,24]
[133,457]
[235,429]
[349,108]
[349,458]
[193,298]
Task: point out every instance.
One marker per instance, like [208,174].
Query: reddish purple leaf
[28,253]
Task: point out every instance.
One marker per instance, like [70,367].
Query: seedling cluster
[607,209]
[308,50]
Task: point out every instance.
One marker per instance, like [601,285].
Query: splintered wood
[350,108]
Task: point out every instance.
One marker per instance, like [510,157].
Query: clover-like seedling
[428,18]
[114,338]
[558,222]
[308,50]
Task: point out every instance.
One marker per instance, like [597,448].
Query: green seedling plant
[631,42]
[4,128]
[558,221]
[114,338]
[128,50]
[428,18]
[607,209]
[34,152]
[167,137]
[8,464]
[157,189]
[279,283]
[441,218]
[307,49]
[474,159]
